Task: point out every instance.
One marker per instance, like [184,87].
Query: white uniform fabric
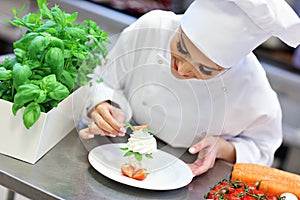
[239,105]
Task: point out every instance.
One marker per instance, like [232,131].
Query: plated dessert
[141,144]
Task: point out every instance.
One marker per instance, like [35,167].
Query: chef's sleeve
[114,76]
[258,142]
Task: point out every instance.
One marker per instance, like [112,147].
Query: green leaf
[70,18]
[5,74]
[124,148]
[60,92]
[19,11]
[100,80]
[20,54]
[31,114]
[37,46]
[148,131]
[24,42]
[55,59]
[25,94]
[20,74]
[14,11]
[58,16]
[56,42]
[48,82]
[67,80]
[48,26]
[5,90]
[128,153]
[41,3]
[43,8]
[74,33]
[129,125]
[9,62]
[41,97]
[56,90]
[148,156]
[138,156]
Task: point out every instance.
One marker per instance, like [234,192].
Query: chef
[194,80]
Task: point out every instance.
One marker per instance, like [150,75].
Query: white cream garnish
[141,142]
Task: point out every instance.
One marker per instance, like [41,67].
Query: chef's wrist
[226,151]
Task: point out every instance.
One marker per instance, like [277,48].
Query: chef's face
[187,61]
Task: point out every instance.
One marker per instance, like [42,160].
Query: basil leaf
[20,74]
[5,74]
[24,42]
[48,26]
[148,156]
[59,92]
[58,16]
[46,13]
[9,62]
[25,94]
[55,59]
[128,153]
[48,82]
[31,114]
[55,89]
[70,18]
[74,33]
[41,97]
[37,45]
[56,42]
[67,80]
[20,54]
[138,156]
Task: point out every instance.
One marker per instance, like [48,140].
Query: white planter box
[30,145]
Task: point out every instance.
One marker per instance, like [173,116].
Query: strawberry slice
[127,170]
[140,174]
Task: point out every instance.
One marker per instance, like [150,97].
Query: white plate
[165,171]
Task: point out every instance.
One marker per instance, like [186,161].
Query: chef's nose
[184,69]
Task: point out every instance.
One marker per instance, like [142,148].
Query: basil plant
[52,58]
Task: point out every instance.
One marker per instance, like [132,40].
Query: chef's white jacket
[239,106]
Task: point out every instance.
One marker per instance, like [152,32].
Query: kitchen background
[281,62]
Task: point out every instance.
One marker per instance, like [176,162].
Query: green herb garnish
[137,155]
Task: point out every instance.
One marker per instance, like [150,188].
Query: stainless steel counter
[65,173]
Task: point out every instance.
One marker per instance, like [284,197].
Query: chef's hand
[105,120]
[209,149]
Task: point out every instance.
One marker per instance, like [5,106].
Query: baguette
[272,180]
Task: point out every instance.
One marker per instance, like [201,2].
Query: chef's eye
[203,69]
[181,49]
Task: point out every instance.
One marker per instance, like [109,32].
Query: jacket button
[159,61]
[144,103]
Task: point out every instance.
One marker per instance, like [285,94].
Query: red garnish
[237,190]
[128,170]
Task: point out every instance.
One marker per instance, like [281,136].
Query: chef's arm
[114,74]
[258,143]
[226,151]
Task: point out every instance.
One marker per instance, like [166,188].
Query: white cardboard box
[30,145]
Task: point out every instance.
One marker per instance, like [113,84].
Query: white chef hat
[227,30]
